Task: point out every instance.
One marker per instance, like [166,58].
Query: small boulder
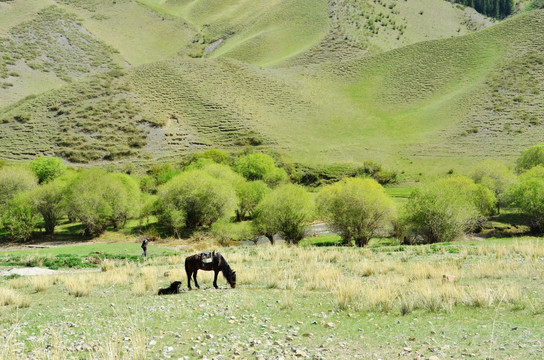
[447,278]
[263,241]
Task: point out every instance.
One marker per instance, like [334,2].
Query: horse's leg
[215,278]
[188,277]
[194,278]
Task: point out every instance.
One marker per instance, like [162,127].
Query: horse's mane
[225,267]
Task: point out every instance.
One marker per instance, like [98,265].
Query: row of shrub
[214,190]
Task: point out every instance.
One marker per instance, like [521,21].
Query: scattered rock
[447,278]
[262,241]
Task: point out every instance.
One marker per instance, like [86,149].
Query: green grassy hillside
[129,86]
[288,32]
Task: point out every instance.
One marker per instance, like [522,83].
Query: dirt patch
[29,271]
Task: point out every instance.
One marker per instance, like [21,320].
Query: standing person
[144,246]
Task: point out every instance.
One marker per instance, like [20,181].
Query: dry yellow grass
[12,297]
[42,282]
[149,276]
[175,274]
[18,283]
[357,279]
[107,265]
[138,288]
[363,280]
[79,285]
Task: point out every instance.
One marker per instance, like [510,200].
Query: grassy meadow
[479,299]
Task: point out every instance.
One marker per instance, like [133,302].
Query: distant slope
[479,95]
[289,32]
[257,32]
[47,50]
[140,34]
[418,107]
[46,44]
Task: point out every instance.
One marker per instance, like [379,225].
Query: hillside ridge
[416,106]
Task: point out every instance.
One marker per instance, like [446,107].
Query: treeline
[498,9]
[238,198]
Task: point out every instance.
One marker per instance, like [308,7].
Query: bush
[194,198]
[484,200]
[224,231]
[249,193]
[222,172]
[440,212]
[260,167]
[286,210]
[356,208]
[162,173]
[215,155]
[530,158]
[385,177]
[314,176]
[371,167]
[496,176]
[99,199]
[13,180]
[19,220]
[528,195]
[47,168]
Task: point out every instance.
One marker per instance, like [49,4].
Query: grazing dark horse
[208,262]
[172,289]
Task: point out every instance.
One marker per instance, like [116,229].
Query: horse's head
[232,280]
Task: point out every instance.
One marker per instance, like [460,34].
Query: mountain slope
[419,107]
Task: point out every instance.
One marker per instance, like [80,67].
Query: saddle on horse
[206,258]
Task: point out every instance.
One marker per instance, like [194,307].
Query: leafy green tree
[194,198]
[47,168]
[496,176]
[49,200]
[527,194]
[259,166]
[440,212]
[286,210]
[249,193]
[356,208]
[275,177]
[530,158]
[158,175]
[13,180]
[100,199]
[484,200]
[129,204]
[222,172]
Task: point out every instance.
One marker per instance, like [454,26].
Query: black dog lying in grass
[172,289]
